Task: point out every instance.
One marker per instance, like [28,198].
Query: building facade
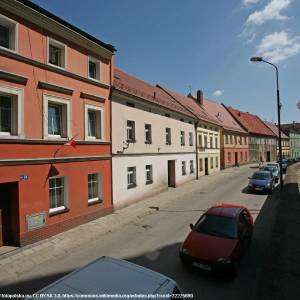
[153,140]
[54,93]
[207,131]
[285,142]
[292,130]
[262,141]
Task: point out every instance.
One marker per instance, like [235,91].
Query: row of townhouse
[59,87]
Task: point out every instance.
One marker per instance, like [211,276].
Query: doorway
[268,156]
[9,214]
[206,165]
[235,158]
[171,174]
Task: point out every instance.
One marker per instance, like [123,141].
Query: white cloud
[278,46]
[217,93]
[272,11]
[249,2]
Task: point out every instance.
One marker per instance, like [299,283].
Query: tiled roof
[192,106]
[292,127]
[219,112]
[252,123]
[274,128]
[139,88]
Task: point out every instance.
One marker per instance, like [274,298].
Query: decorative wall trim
[151,154]
[50,142]
[92,97]
[38,64]
[55,88]
[51,160]
[13,77]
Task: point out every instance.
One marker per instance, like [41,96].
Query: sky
[188,45]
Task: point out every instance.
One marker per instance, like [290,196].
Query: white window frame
[98,68]
[97,109]
[150,170]
[133,131]
[64,207]
[19,102]
[99,189]
[191,166]
[133,184]
[148,131]
[58,45]
[58,101]
[191,138]
[7,22]
[182,138]
[168,133]
[183,168]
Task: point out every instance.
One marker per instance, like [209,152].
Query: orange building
[55,83]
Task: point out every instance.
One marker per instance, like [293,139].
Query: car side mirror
[192,226]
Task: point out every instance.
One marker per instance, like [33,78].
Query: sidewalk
[19,261]
[282,265]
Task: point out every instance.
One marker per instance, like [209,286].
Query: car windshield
[261,175]
[218,226]
[271,169]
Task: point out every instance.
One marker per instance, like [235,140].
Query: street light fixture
[260,59]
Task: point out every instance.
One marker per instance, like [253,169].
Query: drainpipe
[196,145]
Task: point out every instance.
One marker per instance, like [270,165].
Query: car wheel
[183,259]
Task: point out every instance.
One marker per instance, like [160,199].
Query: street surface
[153,240]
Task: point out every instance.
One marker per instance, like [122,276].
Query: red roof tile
[139,88]
[192,106]
[252,123]
[275,130]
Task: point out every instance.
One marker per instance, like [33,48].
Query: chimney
[199,97]
[154,95]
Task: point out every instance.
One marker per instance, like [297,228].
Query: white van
[110,278]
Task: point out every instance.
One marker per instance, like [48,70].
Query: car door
[245,231]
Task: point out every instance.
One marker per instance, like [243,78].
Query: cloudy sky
[190,45]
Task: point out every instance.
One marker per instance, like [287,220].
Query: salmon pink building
[55,143]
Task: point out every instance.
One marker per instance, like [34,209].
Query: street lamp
[260,59]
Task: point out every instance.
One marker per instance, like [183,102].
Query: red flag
[71,143]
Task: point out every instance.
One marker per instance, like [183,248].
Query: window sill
[8,49]
[94,79]
[57,212]
[148,142]
[56,66]
[149,182]
[130,141]
[131,186]
[94,201]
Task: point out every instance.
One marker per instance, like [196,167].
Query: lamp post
[260,59]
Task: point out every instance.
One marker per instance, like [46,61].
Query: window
[235,140]
[131,177]
[241,156]
[191,166]
[190,138]
[56,118]
[205,141]
[130,131]
[94,68]
[211,142]
[130,104]
[216,142]
[183,168]
[93,187]
[10,111]
[229,157]
[57,53]
[211,163]
[246,158]
[168,136]
[201,164]
[149,174]
[93,119]
[226,139]
[7,33]
[217,162]
[57,194]
[148,134]
[200,140]
[230,139]
[182,138]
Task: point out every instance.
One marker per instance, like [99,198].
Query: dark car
[218,239]
[285,164]
[261,181]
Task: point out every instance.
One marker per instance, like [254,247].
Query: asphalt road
[154,241]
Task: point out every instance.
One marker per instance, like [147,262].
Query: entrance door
[9,224]
[268,156]
[206,165]
[171,173]
[235,158]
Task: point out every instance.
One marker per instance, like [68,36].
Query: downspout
[196,145]
[111,82]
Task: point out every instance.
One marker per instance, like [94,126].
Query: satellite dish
[298,104]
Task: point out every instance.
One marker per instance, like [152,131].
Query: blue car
[274,170]
[285,164]
[261,181]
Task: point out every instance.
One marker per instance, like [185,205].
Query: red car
[218,239]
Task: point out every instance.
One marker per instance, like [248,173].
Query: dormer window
[7,33]
[57,54]
[94,68]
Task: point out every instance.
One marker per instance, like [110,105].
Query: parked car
[112,276]
[274,170]
[262,181]
[273,164]
[218,239]
[285,164]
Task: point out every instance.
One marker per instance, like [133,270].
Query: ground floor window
[201,164]
[211,163]
[131,177]
[241,156]
[246,157]
[149,174]
[217,162]
[57,194]
[183,168]
[93,187]
[191,166]
[229,157]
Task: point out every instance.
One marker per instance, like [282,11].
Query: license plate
[258,189]
[201,266]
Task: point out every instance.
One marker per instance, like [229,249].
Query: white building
[153,140]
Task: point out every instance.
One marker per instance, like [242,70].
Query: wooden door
[171,173]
